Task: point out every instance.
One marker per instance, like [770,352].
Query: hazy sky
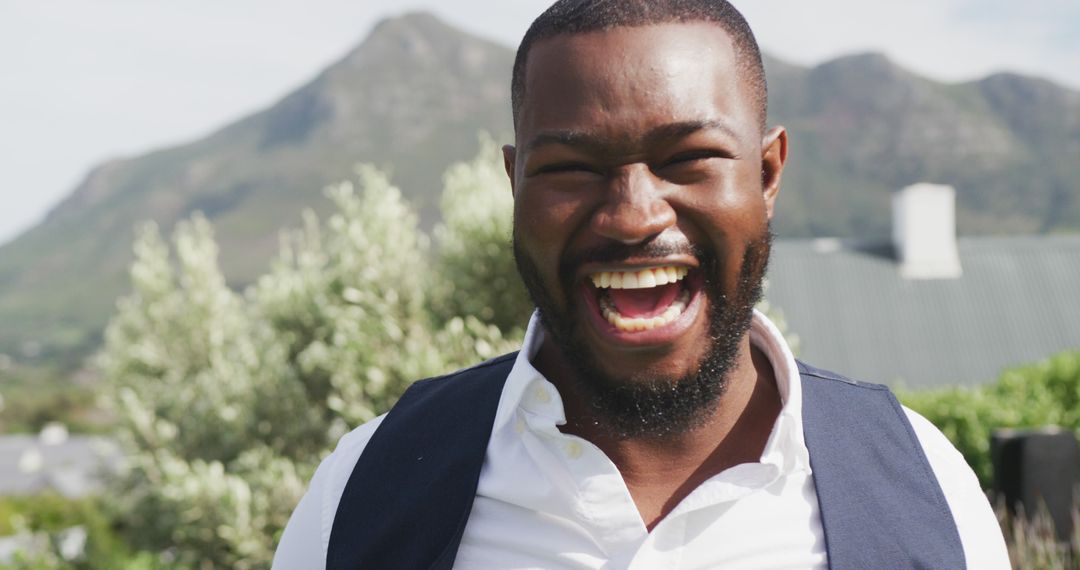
[82,81]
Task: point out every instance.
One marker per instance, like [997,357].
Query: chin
[667,379]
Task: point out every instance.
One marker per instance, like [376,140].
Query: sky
[84,81]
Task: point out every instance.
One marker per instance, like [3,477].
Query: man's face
[643,192]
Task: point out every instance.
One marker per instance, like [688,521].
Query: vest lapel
[881,505]
[407,504]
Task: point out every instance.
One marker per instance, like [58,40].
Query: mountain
[415,93]
[862,127]
[412,97]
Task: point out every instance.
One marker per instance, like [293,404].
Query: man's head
[567,17]
[644,185]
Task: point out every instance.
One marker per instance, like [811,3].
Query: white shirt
[551,500]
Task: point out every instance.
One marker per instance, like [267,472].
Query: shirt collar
[526,387]
[785,447]
[523,376]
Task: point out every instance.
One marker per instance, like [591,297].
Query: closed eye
[692,167]
[694,156]
[564,167]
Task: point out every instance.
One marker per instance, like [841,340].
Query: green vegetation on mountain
[862,127]
[412,97]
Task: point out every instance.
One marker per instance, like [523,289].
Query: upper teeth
[640,279]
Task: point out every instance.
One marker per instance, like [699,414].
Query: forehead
[634,78]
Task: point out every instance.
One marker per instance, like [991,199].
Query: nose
[635,207]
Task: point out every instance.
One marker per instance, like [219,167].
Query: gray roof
[1018,301]
[73,467]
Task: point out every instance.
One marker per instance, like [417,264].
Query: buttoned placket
[596,496]
[584,517]
[604,502]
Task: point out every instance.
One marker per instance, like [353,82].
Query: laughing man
[652,418]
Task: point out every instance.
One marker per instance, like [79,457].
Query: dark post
[1035,469]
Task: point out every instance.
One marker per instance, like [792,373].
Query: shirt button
[519,426]
[541,394]
[573,450]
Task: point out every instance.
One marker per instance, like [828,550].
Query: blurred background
[218,216]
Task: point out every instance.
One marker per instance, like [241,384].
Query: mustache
[616,252]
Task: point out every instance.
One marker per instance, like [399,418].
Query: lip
[587,270]
[653,338]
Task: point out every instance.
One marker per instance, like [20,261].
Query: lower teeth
[629,324]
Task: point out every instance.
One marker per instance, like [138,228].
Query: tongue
[644,302]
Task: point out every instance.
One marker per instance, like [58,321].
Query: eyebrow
[586,140]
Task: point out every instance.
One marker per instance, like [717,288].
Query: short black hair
[572,17]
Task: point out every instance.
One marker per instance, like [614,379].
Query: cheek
[543,226]
[743,211]
[545,222]
[726,209]
[742,192]
[726,218]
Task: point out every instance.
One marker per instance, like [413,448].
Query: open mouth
[643,299]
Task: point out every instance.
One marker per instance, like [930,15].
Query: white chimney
[924,232]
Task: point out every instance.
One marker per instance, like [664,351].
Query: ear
[509,159]
[773,157]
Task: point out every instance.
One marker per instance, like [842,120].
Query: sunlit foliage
[228,400]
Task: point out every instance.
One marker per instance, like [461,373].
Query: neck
[660,471]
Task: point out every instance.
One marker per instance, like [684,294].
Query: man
[652,418]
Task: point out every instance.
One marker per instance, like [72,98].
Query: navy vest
[409,497]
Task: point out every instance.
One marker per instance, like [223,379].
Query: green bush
[1046,393]
[475,252]
[34,396]
[226,401]
[51,514]
[46,512]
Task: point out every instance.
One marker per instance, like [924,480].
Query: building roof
[72,466]
[1017,301]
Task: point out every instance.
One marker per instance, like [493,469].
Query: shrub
[1036,395]
[50,516]
[476,260]
[227,400]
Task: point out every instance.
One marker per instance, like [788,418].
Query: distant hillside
[862,126]
[414,95]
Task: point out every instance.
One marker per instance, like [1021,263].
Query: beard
[646,405]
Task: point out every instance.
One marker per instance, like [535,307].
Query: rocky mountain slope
[413,96]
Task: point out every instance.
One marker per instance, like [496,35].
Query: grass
[1033,544]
